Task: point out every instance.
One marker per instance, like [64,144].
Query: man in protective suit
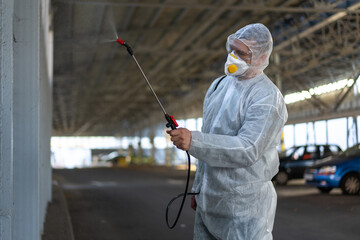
[243,118]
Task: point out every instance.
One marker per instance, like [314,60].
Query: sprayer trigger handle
[171,122]
[174,121]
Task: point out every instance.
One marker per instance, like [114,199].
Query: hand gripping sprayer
[171,123]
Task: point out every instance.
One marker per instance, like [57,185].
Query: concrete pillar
[282,143]
[294,137]
[327,132]
[356,129]
[307,133]
[6,119]
[130,154]
[45,118]
[152,154]
[314,132]
[168,157]
[347,133]
[26,113]
[278,82]
[32,109]
[278,78]
[168,150]
[140,153]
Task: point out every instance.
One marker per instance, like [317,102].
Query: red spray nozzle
[120,41]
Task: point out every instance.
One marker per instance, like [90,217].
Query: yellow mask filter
[232,68]
[234,65]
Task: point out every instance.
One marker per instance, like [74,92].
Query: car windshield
[353,151]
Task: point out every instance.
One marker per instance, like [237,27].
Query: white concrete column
[45,107]
[356,129]
[140,152]
[347,132]
[130,154]
[152,154]
[168,150]
[307,133]
[26,120]
[294,134]
[25,117]
[326,132]
[6,119]
[314,132]
[278,78]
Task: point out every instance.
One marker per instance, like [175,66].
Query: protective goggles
[239,47]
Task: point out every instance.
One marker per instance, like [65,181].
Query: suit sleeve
[261,129]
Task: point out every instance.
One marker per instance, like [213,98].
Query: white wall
[6,119]
[26,109]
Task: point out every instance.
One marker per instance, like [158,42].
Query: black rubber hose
[184,194]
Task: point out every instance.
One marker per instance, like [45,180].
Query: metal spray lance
[170,119]
[171,123]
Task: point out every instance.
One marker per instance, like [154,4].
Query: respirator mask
[235,66]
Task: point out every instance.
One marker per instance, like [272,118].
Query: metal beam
[316,27]
[187,41]
[322,117]
[238,7]
[355,77]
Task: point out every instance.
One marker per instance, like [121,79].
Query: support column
[356,129]
[294,137]
[327,132]
[26,120]
[45,108]
[282,142]
[121,149]
[130,154]
[314,132]
[25,117]
[278,82]
[168,150]
[152,154]
[307,133]
[6,119]
[140,152]
[278,78]
[347,133]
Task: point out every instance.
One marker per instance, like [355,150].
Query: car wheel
[325,189]
[281,178]
[350,184]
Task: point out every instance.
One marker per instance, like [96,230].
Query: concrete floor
[304,213]
[129,204]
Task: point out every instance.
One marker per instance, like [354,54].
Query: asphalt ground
[130,203]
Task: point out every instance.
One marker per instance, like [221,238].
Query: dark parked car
[295,160]
[341,171]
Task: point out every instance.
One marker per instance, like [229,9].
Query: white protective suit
[242,125]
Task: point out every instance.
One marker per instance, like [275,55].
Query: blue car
[295,160]
[341,171]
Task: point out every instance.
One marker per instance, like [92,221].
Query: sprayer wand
[170,119]
[171,124]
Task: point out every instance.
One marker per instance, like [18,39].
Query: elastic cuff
[195,139]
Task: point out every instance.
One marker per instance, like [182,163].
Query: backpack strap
[217,84]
